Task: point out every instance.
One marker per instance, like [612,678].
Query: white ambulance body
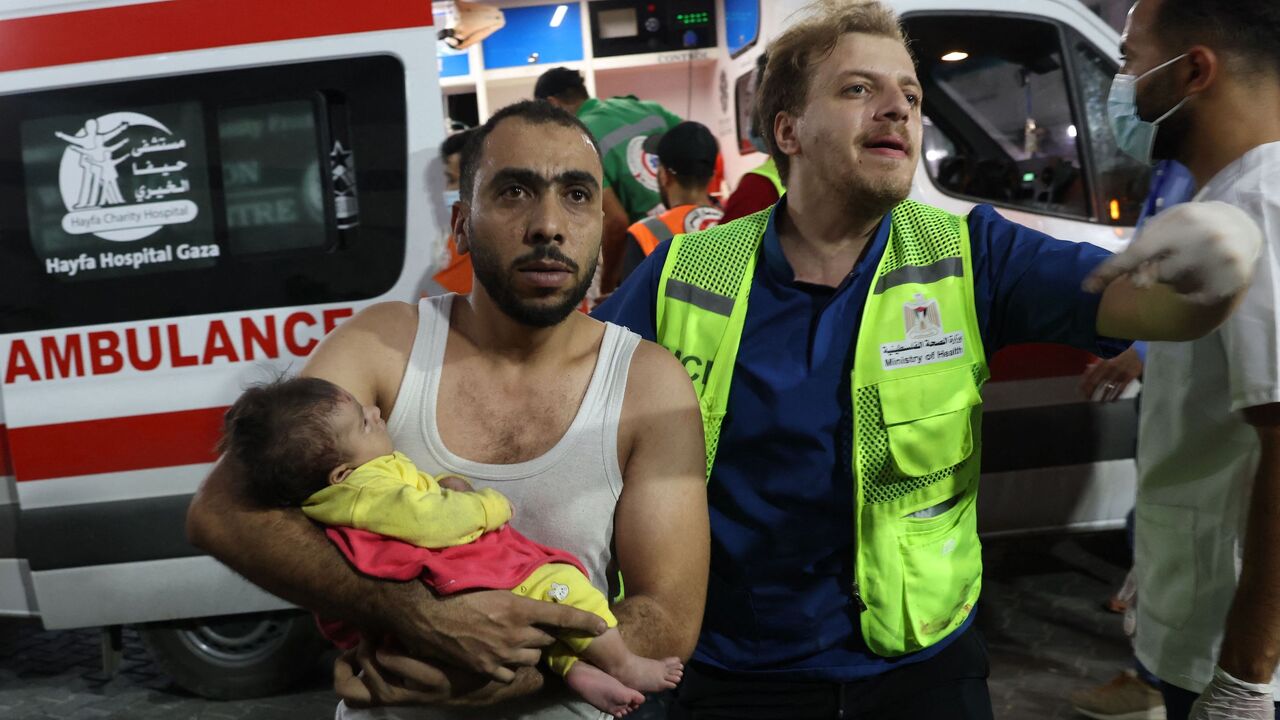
[195,191]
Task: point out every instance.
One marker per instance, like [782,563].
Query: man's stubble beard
[875,196]
[494,278]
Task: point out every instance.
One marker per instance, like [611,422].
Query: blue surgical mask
[1135,136]
[451,197]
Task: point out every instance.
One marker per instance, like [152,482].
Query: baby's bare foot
[605,692]
[648,675]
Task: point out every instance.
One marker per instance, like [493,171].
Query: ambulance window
[1001,123]
[1121,181]
[271,177]
[214,192]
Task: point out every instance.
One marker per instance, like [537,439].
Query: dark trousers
[1177,702]
[949,686]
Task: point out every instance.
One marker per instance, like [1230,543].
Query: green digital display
[694,18]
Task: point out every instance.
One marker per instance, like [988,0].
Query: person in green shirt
[620,125]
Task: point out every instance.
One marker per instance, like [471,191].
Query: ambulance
[196,191]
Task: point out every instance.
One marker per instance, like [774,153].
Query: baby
[305,442]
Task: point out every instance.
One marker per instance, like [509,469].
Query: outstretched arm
[1181,276]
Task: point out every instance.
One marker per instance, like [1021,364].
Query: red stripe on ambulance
[6,463]
[142,442]
[147,348]
[178,25]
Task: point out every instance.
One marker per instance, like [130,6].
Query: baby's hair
[281,433]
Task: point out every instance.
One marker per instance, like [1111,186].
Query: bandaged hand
[1227,698]
[1206,251]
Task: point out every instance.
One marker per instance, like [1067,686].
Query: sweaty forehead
[546,148]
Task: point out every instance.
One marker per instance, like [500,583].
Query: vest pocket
[941,571]
[928,419]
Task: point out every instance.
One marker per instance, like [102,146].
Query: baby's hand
[455,483]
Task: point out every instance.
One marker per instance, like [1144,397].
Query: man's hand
[1106,380]
[369,676]
[366,677]
[1227,698]
[359,679]
[1205,251]
[492,631]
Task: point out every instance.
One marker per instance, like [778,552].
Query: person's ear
[664,177]
[786,133]
[458,223]
[340,473]
[1203,66]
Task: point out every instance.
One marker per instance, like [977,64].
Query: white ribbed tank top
[565,498]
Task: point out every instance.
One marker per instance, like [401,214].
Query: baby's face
[361,431]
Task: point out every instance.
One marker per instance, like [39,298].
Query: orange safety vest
[649,232]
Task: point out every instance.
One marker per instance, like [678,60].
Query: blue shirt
[781,493]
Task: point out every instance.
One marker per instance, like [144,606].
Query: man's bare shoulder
[660,431]
[367,354]
[391,325]
[657,385]
[385,318]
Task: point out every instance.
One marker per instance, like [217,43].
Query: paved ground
[1041,613]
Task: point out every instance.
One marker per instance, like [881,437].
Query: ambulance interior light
[558,17]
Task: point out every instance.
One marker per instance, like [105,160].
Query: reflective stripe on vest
[653,231]
[769,170]
[919,362]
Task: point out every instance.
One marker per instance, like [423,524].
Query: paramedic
[686,161]
[1208,512]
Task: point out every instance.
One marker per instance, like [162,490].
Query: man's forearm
[287,555]
[1251,648]
[651,631]
[1158,313]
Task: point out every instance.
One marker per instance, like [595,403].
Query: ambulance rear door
[196,191]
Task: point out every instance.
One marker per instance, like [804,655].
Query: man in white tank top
[594,435]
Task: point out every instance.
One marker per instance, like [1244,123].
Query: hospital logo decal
[926,342]
[702,218]
[103,157]
[643,165]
